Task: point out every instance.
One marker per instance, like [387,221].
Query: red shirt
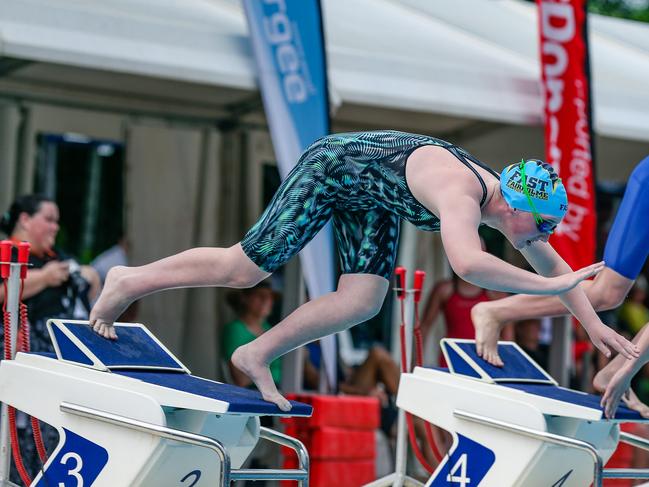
[457,314]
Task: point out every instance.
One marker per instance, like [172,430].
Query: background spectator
[527,334]
[454,298]
[253,306]
[56,287]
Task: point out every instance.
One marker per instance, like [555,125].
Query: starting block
[129,413]
[514,426]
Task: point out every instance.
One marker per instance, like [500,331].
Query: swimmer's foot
[603,377]
[112,302]
[632,401]
[248,362]
[487,332]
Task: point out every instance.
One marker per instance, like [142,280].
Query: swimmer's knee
[244,281]
[367,291]
[372,308]
[244,273]
[364,305]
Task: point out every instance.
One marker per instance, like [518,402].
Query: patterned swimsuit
[359,180]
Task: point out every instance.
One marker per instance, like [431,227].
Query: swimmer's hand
[566,282]
[107,330]
[605,338]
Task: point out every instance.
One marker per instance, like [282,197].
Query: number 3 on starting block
[467,465]
[77,464]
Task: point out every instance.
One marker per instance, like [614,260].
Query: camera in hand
[76,280]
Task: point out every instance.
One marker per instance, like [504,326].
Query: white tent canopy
[471,59]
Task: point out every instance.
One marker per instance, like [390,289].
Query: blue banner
[288,43]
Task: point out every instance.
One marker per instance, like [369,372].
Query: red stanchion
[23,345]
[419,278]
[23,259]
[5,257]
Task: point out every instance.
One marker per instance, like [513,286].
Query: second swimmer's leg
[358,298]
[604,292]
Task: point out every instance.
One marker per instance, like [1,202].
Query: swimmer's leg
[300,208]
[198,267]
[367,243]
[357,298]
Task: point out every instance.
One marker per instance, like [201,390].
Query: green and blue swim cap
[544,193]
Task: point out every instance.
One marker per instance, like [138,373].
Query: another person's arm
[92,277]
[52,274]
[621,380]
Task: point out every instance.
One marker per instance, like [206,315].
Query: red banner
[568,141]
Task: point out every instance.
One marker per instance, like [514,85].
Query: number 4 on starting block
[467,465]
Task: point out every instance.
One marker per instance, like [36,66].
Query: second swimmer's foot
[487,332]
[112,302]
[247,362]
[602,378]
[632,401]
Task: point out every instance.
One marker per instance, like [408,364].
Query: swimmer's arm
[547,262]
[459,230]
[607,291]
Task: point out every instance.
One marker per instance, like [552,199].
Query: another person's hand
[380,394]
[616,389]
[55,273]
[566,282]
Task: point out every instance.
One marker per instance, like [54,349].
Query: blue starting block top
[240,400]
[520,372]
[578,398]
[139,355]
[463,359]
[136,347]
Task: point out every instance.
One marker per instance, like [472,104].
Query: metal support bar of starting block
[228,475]
[626,473]
[540,435]
[301,474]
[629,473]
[154,429]
[633,440]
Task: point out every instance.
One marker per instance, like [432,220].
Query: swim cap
[544,187]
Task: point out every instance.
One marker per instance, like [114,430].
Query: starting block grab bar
[227,474]
[599,472]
